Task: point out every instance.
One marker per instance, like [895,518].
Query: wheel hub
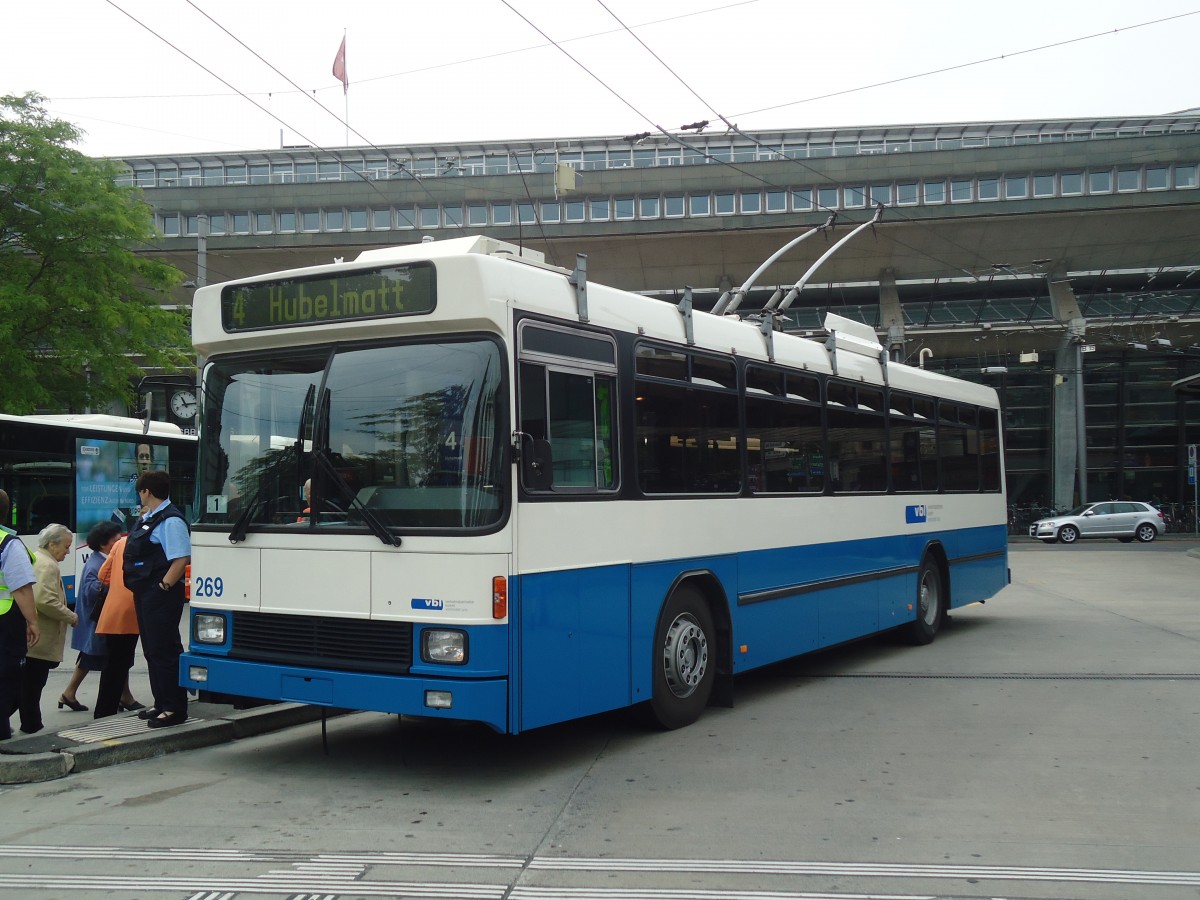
[685,656]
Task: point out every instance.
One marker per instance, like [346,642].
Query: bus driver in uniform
[18,616]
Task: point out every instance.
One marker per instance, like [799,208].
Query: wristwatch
[165,586]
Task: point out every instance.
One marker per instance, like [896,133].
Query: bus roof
[101,422]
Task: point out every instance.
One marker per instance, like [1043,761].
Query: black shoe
[73,705]
[166,720]
[149,712]
[25,730]
[130,707]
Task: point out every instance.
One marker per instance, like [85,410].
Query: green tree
[80,312]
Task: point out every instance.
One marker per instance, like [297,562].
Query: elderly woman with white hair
[54,543]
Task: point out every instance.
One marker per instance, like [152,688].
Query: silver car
[1120,519]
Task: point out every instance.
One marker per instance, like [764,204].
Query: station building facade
[1057,260]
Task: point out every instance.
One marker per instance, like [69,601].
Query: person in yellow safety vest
[18,616]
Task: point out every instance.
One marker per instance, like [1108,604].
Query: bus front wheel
[684,660]
[931,604]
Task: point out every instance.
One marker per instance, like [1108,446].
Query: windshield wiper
[321,457]
[242,525]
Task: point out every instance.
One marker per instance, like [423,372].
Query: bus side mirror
[537,466]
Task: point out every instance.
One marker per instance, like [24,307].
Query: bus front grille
[359,645]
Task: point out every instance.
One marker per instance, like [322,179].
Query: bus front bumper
[477,700]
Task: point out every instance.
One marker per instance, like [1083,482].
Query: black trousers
[33,679]
[158,615]
[115,673]
[12,658]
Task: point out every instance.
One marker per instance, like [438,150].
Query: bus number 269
[208,587]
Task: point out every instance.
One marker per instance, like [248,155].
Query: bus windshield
[311,438]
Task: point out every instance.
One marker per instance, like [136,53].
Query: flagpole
[346,98]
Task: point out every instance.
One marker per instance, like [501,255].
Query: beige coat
[52,611]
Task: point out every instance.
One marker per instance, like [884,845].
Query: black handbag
[98,603]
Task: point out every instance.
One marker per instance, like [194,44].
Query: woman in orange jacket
[118,623]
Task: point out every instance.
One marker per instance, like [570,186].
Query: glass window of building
[287,220]
[216,223]
[673,206]
[283,173]
[144,177]
[306,172]
[854,197]
[330,171]
[751,203]
[502,214]
[668,156]
[576,211]
[381,219]
[191,225]
[776,201]
[1043,185]
[358,220]
[214,175]
[405,217]
[723,204]
[935,192]
[881,193]
[551,211]
[1100,182]
[961,191]
[264,222]
[477,215]
[1016,187]
[377,168]
[989,188]
[241,223]
[906,194]
[335,220]
[802,199]
[170,224]
[310,220]
[260,173]
[1129,179]
[496,164]
[235,174]
[619,159]
[189,176]
[1185,176]
[827,198]
[599,209]
[649,207]
[699,204]
[644,159]
[1070,183]
[428,217]
[452,216]
[595,159]
[1156,178]
[623,208]
[526,214]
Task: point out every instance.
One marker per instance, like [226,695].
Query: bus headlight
[208,628]
[440,645]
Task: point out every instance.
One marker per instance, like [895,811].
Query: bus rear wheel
[931,604]
[684,660]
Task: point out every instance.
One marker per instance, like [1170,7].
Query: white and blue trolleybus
[450,480]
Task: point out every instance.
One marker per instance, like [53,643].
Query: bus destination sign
[317,299]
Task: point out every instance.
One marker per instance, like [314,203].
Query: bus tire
[931,604]
[684,660]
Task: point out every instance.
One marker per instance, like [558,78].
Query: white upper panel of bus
[480,280]
[99,422]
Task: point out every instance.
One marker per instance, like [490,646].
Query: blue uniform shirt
[171,534]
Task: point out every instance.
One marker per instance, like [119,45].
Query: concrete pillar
[891,316]
[1068,440]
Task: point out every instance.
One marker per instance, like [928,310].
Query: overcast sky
[476,70]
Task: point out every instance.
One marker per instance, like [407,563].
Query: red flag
[339,67]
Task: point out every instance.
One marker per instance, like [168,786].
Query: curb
[28,761]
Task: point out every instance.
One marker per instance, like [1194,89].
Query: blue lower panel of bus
[581,642]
